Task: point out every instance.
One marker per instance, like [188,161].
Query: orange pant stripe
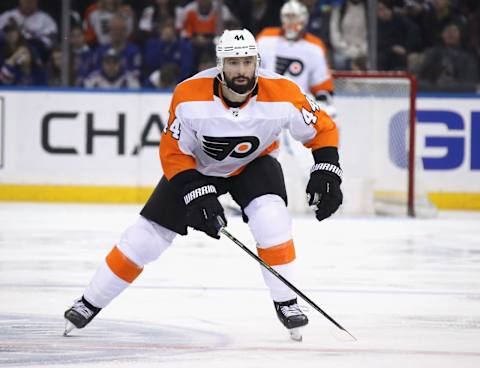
[122,266]
[279,254]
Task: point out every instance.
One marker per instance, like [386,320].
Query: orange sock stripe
[122,266]
[279,254]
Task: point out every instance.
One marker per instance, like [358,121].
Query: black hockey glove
[204,211]
[323,188]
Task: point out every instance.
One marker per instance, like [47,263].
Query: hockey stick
[282,279]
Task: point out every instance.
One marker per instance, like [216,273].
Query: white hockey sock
[278,290]
[270,225]
[104,287]
[141,243]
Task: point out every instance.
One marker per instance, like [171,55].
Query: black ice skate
[79,315]
[292,317]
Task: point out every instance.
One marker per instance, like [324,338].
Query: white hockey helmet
[236,43]
[294,17]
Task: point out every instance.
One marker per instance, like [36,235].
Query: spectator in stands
[97,20]
[154,15]
[448,67]
[37,27]
[348,33]
[256,15]
[414,9]
[54,67]
[129,53]
[436,18]
[111,74]
[165,77]
[206,60]
[19,62]
[202,22]
[319,20]
[474,33]
[81,55]
[168,48]
[397,36]
[180,7]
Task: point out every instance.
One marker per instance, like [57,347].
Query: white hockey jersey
[205,134]
[304,61]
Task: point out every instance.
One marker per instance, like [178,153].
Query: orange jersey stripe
[121,266]
[172,158]
[283,90]
[316,41]
[279,254]
[270,31]
[274,146]
[277,31]
[238,171]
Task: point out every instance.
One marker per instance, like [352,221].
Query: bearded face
[239,73]
[240,85]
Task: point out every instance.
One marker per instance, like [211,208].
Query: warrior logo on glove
[323,189]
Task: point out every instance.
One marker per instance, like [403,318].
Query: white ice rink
[409,290]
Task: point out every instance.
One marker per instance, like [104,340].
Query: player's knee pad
[269,220]
[144,241]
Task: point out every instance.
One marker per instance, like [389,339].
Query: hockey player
[302,57]
[221,137]
[297,54]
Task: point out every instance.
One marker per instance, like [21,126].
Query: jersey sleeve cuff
[326,154]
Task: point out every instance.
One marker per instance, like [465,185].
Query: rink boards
[92,146]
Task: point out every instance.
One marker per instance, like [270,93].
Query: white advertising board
[110,139]
[83,138]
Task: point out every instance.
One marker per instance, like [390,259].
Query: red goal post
[385,82]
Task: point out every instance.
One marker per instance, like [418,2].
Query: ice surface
[409,290]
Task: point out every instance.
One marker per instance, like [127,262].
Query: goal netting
[376,120]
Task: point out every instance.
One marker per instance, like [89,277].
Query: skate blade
[296,334]
[69,326]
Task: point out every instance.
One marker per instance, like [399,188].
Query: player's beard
[240,88]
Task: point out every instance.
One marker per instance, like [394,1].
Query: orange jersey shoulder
[270,31]
[193,89]
[279,89]
[315,40]
[197,88]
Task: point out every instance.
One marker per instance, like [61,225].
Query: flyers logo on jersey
[219,148]
[292,66]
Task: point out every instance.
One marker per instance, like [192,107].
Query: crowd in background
[157,43]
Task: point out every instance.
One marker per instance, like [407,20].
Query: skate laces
[291,310]
[82,309]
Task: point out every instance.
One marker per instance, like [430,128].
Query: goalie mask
[237,44]
[294,17]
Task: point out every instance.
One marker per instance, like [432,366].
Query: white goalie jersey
[205,134]
[304,60]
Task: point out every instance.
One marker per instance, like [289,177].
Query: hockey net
[376,119]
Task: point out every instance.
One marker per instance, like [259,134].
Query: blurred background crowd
[157,43]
